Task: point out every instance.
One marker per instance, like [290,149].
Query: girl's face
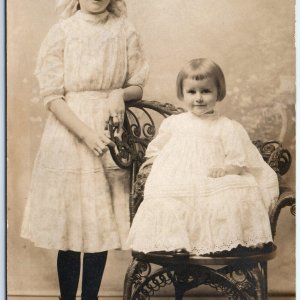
[93,6]
[200,96]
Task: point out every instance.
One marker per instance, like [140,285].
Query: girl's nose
[199,99]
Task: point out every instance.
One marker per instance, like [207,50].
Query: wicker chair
[236,275]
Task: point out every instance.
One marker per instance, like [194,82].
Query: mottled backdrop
[252,40]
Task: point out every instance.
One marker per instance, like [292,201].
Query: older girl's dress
[184,208]
[78,201]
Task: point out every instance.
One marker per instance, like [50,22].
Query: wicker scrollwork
[238,282]
[137,273]
[293,209]
[287,198]
[275,155]
[138,130]
[152,284]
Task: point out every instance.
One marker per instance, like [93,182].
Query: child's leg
[68,268]
[93,268]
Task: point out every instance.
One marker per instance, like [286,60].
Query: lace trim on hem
[250,243]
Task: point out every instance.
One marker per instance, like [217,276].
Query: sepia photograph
[151,149]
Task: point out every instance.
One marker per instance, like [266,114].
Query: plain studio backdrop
[253,42]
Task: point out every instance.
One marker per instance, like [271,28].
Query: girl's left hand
[216,172]
[117,107]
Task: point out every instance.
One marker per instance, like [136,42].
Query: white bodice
[90,53]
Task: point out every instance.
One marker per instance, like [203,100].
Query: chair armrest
[286,198]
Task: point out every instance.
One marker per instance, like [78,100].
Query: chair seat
[266,253]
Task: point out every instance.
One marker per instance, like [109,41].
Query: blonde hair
[69,7]
[199,69]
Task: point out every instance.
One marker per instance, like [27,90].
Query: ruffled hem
[216,223]
[254,242]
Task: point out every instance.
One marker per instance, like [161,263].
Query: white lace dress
[184,208]
[78,201]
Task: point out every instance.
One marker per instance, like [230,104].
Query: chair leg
[129,279]
[264,267]
[259,273]
[179,293]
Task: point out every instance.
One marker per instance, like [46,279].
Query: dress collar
[91,18]
[208,116]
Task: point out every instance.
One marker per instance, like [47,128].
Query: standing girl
[209,189]
[89,64]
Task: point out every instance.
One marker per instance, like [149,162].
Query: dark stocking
[68,268]
[93,268]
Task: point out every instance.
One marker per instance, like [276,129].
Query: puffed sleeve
[163,136]
[137,66]
[50,69]
[240,150]
[233,145]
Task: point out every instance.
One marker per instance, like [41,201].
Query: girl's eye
[191,92]
[206,91]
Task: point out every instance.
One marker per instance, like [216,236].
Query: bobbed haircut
[199,69]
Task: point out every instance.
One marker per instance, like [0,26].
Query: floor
[120,298]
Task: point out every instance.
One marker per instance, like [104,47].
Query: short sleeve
[265,176]
[163,136]
[233,144]
[49,69]
[137,66]
[239,149]
[242,152]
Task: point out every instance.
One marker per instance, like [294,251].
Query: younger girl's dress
[77,200]
[184,208]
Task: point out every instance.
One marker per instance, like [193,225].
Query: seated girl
[209,189]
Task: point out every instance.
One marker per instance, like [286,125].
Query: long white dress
[184,208]
[78,201]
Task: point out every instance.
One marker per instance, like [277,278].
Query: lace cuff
[51,98]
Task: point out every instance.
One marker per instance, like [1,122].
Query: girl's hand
[228,170]
[97,143]
[117,107]
[234,170]
[216,172]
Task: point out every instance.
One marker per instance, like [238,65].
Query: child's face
[200,96]
[93,6]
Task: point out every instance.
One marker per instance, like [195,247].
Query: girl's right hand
[97,143]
